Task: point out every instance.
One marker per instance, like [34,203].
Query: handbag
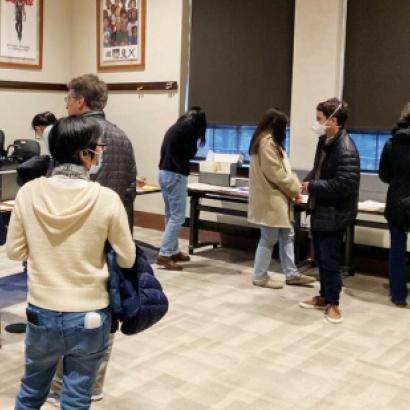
[137,299]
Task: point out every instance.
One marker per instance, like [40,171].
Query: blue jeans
[326,248]
[397,265]
[269,237]
[51,335]
[174,191]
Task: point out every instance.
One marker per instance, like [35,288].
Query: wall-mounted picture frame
[120,34]
[21,34]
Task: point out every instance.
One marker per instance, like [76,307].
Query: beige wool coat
[271,186]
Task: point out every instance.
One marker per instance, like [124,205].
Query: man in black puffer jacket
[333,188]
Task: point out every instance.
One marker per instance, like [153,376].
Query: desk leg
[348,256]
[193,224]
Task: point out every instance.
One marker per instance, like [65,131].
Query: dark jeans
[326,246]
[397,265]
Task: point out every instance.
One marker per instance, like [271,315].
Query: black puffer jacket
[395,171]
[334,194]
[118,171]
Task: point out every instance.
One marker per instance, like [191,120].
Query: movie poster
[20,32]
[121,28]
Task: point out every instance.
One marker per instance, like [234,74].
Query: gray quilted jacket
[118,171]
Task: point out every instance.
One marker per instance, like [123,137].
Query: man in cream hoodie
[60,225]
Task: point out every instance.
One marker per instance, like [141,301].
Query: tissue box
[214,178]
[221,176]
[218,169]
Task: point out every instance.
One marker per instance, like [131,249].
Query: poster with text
[21,33]
[120,34]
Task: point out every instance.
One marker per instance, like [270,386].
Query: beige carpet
[227,345]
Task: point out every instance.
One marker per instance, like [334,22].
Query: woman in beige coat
[272,188]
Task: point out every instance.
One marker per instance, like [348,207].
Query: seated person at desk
[178,148]
[272,187]
[395,171]
[333,188]
[42,124]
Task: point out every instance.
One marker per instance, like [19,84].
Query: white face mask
[320,129]
[95,168]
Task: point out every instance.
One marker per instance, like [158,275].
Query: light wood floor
[227,345]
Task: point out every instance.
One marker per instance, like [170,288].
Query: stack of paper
[370,205]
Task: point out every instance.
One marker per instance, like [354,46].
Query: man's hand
[297,199]
[305,188]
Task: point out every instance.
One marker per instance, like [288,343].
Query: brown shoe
[167,263]
[180,257]
[317,302]
[333,314]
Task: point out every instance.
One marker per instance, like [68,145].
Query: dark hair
[198,119]
[405,113]
[71,135]
[92,89]
[273,122]
[329,107]
[43,119]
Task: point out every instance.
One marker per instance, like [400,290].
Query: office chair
[2,141]
[23,149]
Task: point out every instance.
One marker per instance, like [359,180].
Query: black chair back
[23,149]
[2,141]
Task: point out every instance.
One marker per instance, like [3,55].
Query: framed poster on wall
[120,34]
[21,33]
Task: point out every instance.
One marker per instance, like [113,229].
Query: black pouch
[32,317]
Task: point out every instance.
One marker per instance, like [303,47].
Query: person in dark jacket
[333,187]
[178,148]
[87,96]
[395,171]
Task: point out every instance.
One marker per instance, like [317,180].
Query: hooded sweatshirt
[60,228]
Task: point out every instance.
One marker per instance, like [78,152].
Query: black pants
[327,246]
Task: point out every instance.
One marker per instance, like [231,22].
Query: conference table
[217,198]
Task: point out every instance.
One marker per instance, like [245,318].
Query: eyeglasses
[102,148]
[69,97]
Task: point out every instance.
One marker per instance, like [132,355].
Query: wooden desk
[147,189]
[7,206]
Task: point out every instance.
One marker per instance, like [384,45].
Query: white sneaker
[268,283]
[54,401]
[97,397]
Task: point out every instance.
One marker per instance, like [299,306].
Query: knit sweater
[61,230]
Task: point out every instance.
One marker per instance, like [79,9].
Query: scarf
[72,171]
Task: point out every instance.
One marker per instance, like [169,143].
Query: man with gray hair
[87,97]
